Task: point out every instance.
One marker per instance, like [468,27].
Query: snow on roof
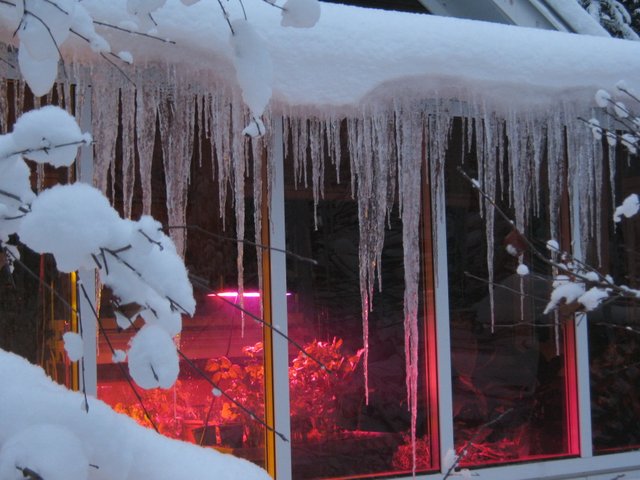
[355,56]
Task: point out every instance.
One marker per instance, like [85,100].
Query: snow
[629,208]
[37,132]
[577,18]
[593,297]
[115,444]
[339,63]
[74,345]
[508,80]
[253,66]
[119,356]
[72,222]
[553,246]
[603,98]
[522,270]
[153,359]
[52,451]
[300,13]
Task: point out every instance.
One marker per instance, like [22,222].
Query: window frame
[278,405]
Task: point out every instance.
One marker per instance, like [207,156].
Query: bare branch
[464,451]
[28,473]
[120,366]
[273,4]
[28,12]
[247,242]
[199,282]
[133,32]
[118,68]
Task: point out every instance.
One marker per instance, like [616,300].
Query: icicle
[368,140]
[146,116]
[409,140]
[104,100]
[127,119]
[238,169]
[177,116]
[221,130]
[316,141]
[493,140]
[337,145]
[259,152]
[4,106]
[537,145]
[301,150]
[555,170]
[202,127]
[18,99]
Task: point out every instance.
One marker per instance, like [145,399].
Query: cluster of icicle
[518,153]
[387,144]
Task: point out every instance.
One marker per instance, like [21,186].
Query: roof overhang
[563,15]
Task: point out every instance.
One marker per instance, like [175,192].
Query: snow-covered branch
[576,286]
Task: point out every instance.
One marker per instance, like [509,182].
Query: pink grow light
[235,294]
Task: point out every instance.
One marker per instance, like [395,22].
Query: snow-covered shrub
[618,17]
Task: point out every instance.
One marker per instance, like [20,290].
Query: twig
[252,415]
[628,92]
[28,12]
[10,195]
[114,65]
[19,262]
[273,4]
[244,12]
[244,241]
[151,240]
[202,284]
[133,32]
[46,149]
[28,473]
[604,282]
[463,453]
[7,62]
[225,14]
[199,371]
[115,254]
[56,6]
[504,287]
[119,364]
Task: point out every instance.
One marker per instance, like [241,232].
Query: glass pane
[218,399]
[335,433]
[511,382]
[36,300]
[614,342]
[35,313]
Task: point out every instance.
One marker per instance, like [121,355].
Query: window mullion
[278,272]
[582,344]
[445,398]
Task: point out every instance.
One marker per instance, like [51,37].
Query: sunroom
[362,310]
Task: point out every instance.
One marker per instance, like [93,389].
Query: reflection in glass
[613,339]
[512,387]
[334,432]
[223,346]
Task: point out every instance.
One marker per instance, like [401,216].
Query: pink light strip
[235,294]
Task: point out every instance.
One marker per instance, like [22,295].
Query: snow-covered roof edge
[358,58]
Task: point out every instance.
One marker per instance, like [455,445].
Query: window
[613,341]
[218,400]
[332,424]
[512,366]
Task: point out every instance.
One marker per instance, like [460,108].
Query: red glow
[235,294]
